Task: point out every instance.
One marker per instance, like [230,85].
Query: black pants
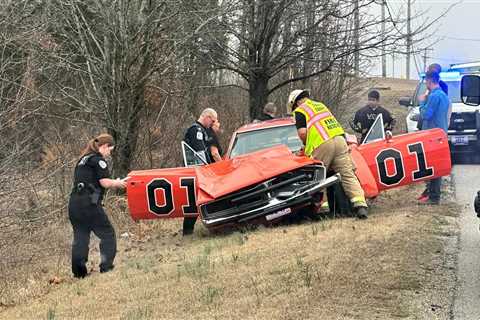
[86,218]
[188,225]
[434,189]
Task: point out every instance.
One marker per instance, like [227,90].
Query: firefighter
[324,140]
[365,117]
[85,211]
[197,138]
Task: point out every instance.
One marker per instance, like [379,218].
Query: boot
[362,213]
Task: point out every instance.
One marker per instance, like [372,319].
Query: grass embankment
[392,265]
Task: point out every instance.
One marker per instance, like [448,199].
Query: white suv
[464,127]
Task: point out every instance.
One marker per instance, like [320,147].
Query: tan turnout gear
[327,144]
[334,154]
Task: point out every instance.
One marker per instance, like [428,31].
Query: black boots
[362,213]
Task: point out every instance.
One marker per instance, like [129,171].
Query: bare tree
[109,52]
[269,39]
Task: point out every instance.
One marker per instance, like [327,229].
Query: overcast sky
[458,34]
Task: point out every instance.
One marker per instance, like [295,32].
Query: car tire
[338,201]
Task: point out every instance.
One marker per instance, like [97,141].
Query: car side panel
[407,158]
[163,193]
[362,171]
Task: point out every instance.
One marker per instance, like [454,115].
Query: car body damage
[262,179]
[233,190]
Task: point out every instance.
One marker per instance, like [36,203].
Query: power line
[460,39]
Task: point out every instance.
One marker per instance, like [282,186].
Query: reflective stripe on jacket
[321,124]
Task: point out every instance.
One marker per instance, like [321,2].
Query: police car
[464,127]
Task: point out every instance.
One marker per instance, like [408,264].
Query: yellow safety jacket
[321,124]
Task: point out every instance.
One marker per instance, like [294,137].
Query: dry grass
[397,264]
[381,268]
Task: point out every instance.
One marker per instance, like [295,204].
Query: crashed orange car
[262,179]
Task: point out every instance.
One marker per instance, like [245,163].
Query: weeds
[144,312]
[257,291]
[235,257]
[305,271]
[51,314]
[198,267]
[209,295]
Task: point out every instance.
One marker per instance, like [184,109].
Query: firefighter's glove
[300,153]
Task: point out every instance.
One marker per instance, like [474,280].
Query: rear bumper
[274,205]
[472,146]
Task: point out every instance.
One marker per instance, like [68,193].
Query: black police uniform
[365,117]
[197,138]
[213,141]
[86,214]
[265,116]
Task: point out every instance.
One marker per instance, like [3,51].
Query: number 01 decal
[165,186]
[396,156]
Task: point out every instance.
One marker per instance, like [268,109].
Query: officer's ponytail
[95,143]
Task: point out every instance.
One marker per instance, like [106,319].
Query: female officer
[85,210]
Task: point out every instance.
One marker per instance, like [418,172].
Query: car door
[404,159]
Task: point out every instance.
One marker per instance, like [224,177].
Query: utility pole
[356,36]
[425,50]
[393,63]
[384,58]
[409,37]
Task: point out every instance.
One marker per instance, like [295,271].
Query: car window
[251,141]
[192,158]
[376,132]
[453,91]
[421,88]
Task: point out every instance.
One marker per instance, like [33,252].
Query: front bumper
[267,198]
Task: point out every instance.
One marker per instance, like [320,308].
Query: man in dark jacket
[365,117]
[197,138]
[269,112]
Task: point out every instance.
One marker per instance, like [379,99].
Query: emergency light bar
[466,68]
[465,65]
[446,76]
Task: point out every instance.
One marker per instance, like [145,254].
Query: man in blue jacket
[434,115]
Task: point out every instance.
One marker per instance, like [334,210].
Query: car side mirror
[415,117]
[405,101]
[470,90]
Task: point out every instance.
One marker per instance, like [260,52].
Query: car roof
[265,124]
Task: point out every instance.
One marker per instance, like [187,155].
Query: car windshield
[251,141]
[453,91]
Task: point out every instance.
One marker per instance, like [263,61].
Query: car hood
[221,178]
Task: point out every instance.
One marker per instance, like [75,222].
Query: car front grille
[463,121]
[253,197]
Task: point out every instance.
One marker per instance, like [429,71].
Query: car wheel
[338,201]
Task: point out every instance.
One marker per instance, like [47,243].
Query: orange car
[262,179]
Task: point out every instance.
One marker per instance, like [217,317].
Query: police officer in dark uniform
[85,210]
[197,138]
[365,117]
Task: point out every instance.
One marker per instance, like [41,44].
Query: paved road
[466,305]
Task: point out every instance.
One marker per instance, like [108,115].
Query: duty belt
[93,192]
[79,187]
